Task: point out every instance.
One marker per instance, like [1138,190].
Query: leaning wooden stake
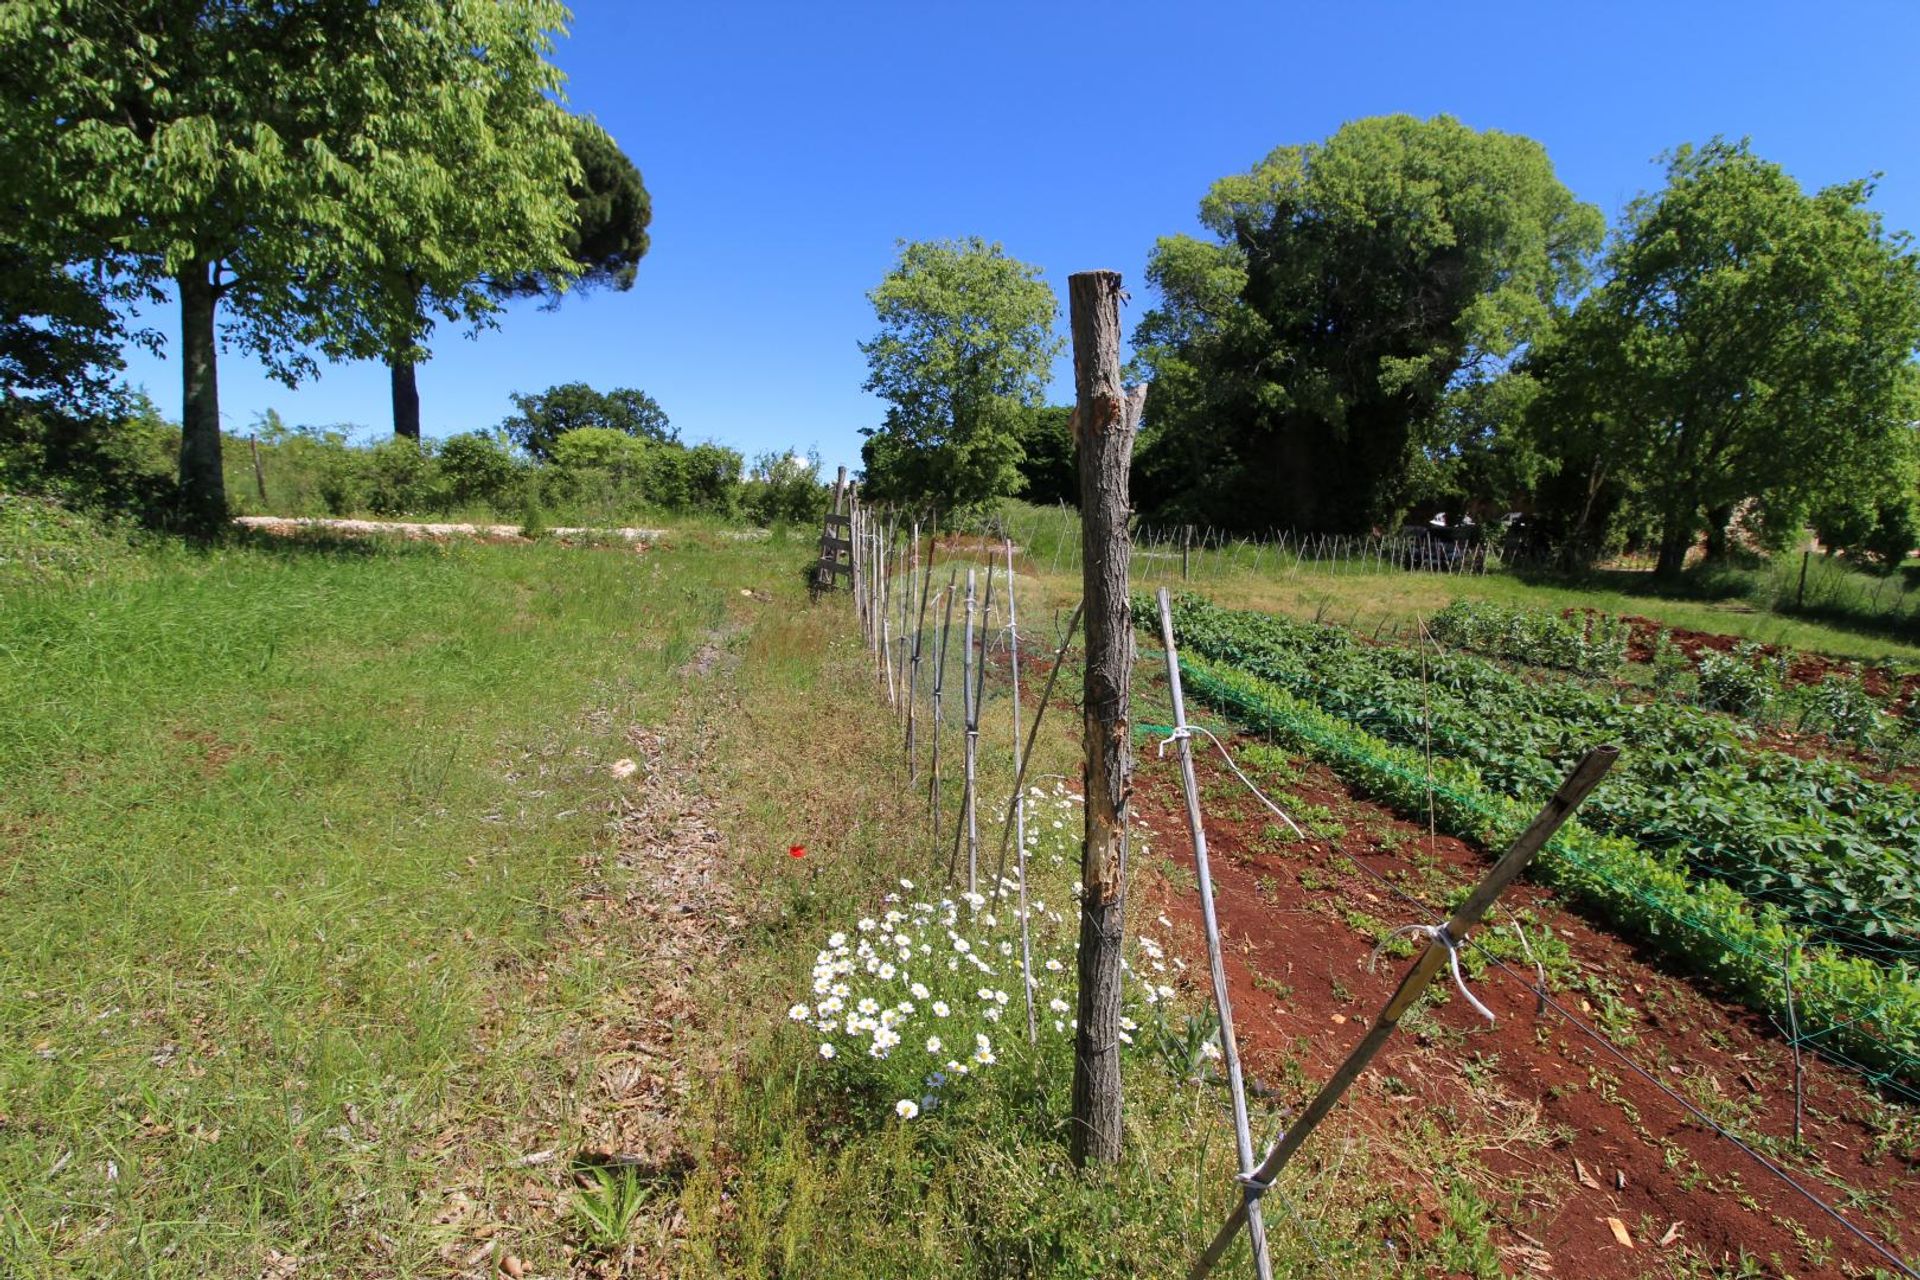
[1229,1046]
[1585,776]
[1108,416]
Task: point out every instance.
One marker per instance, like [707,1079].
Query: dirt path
[1572,1137]
[656,900]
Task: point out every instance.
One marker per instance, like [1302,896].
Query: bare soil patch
[1573,1137]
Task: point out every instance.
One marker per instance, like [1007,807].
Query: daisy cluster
[924,993]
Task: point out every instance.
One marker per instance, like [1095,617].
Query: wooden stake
[1109,417]
[1585,776]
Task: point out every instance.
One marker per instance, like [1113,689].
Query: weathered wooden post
[1107,416]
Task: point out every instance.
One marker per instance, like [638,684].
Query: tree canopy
[965,345]
[606,238]
[541,418]
[1752,342]
[1304,356]
[286,161]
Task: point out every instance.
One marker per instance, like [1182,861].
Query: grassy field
[333,941]
[276,821]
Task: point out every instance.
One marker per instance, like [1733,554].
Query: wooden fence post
[1108,415]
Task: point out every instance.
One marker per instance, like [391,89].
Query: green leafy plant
[607,1207]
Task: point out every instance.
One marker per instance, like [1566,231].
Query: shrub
[476,470]
[399,478]
[1745,682]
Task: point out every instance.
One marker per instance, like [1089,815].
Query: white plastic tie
[1185,732]
[1438,933]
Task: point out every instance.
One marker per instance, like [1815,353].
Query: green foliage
[1825,845]
[44,543]
[965,347]
[290,161]
[1353,289]
[399,476]
[607,1208]
[785,488]
[1591,644]
[541,418]
[475,470]
[1751,341]
[1745,682]
[1049,470]
[60,337]
[117,462]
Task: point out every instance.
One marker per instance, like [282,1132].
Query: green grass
[275,823]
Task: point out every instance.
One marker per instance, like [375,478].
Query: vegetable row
[1851,1008]
[1832,850]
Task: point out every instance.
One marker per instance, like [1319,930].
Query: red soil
[1585,1138]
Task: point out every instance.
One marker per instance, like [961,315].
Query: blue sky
[787,147]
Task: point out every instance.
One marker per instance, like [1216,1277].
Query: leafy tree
[270,156]
[1048,469]
[1751,342]
[785,488]
[605,242]
[542,418]
[965,345]
[1304,355]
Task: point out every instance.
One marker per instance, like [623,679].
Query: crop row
[1835,851]
[1591,644]
[1849,1007]
[1751,682]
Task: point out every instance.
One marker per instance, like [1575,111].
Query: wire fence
[914,610]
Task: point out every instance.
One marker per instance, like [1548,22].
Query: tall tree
[605,241]
[541,418]
[966,342]
[1751,342]
[265,157]
[1302,356]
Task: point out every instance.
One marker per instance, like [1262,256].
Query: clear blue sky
[787,147]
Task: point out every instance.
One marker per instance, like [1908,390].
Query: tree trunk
[406,400]
[1675,541]
[1108,417]
[203,489]
[1719,534]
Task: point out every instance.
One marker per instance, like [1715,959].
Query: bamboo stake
[1229,1046]
[939,719]
[1019,802]
[969,742]
[913,670]
[1585,776]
